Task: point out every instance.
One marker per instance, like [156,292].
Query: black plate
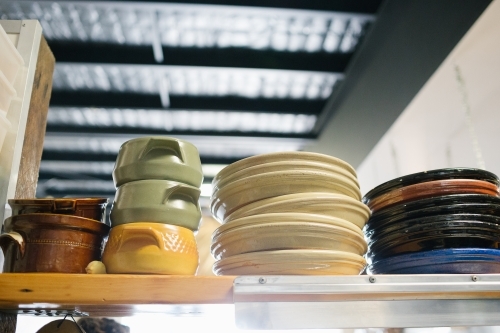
[406,218]
[407,226]
[437,236]
[438,174]
[442,200]
[430,223]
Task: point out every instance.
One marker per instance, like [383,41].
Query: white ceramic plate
[291,262]
[287,236]
[327,204]
[272,184]
[283,156]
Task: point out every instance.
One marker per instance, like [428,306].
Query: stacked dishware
[156,208]
[54,235]
[288,213]
[439,221]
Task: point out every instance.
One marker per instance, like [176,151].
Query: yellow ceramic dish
[272,184]
[291,262]
[287,236]
[327,204]
[283,156]
[283,166]
[151,248]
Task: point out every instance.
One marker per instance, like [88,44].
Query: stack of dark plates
[439,221]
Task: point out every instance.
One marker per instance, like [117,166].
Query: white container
[10,59]
[7,92]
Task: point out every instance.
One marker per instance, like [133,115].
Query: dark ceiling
[235,78]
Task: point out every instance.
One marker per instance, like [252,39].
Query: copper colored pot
[51,243]
[91,208]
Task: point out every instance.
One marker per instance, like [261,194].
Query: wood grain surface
[110,294]
[33,143]
[36,123]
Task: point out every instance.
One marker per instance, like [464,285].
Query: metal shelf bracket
[325,302]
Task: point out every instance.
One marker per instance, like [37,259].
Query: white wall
[433,131]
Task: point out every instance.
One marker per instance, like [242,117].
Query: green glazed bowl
[158,158]
[160,201]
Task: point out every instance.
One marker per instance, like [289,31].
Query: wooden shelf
[111,295]
[271,302]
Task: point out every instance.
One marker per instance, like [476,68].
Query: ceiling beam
[76,192]
[78,52]
[139,131]
[134,100]
[358,6]
[46,175]
[111,157]
[406,44]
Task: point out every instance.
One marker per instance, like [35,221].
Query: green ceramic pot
[158,158]
[160,201]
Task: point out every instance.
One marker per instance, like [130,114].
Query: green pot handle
[172,147]
[186,192]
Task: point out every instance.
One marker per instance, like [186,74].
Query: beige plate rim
[222,266]
[297,165]
[303,255]
[335,233]
[253,160]
[297,268]
[331,199]
[282,218]
[255,181]
[276,225]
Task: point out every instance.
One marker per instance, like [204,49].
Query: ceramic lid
[60,203]
[55,221]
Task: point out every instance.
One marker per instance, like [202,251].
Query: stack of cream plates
[288,213]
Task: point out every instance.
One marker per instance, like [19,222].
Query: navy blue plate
[447,261]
